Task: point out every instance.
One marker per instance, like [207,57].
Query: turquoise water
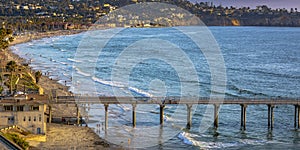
[261,62]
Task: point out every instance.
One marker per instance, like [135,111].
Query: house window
[24,118]
[40,117]
[34,118]
[8,108]
[35,108]
[20,108]
[29,118]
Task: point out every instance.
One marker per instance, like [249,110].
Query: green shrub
[18,140]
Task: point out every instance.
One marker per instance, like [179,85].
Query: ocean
[230,62]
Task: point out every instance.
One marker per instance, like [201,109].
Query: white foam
[64,63]
[139,91]
[82,73]
[73,60]
[123,107]
[187,138]
[120,85]
[109,83]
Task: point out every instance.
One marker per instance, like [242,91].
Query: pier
[189,102]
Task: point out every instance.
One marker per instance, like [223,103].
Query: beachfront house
[27,113]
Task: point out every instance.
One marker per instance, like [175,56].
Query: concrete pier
[161,114]
[50,114]
[188,101]
[243,116]
[216,115]
[295,116]
[189,116]
[133,115]
[270,116]
[78,115]
[106,115]
[298,112]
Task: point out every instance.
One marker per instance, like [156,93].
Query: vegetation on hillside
[5,38]
[20,79]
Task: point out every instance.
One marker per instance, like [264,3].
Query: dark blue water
[260,62]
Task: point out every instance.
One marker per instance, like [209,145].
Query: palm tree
[11,66]
[38,75]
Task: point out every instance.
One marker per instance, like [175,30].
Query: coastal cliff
[291,21]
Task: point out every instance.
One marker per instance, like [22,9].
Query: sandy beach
[61,136]
[2,147]
[73,137]
[46,83]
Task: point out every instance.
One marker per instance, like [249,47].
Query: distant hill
[44,15]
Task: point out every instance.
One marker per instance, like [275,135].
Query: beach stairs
[17,127]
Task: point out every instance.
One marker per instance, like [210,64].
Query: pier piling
[243,116]
[295,116]
[216,115]
[298,116]
[50,114]
[189,116]
[162,114]
[270,116]
[78,115]
[133,115]
[106,115]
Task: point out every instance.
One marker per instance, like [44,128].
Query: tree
[11,66]
[38,76]
[5,37]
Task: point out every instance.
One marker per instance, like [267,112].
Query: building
[24,111]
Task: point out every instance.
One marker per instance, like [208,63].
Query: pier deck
[171,100]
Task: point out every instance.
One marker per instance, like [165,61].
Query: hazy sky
[253,3]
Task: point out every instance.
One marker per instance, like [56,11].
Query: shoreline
[48,84]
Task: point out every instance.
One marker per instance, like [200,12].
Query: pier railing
[173,100]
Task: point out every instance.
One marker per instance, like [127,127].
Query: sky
[253,3]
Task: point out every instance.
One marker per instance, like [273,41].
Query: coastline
[59,135]
[46,83]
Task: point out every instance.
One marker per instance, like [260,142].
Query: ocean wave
[240,91]
[185,137]
[123,107]
[108,83]
[74,60]
[140,92]
[190,139]
[82,73]
[64,63]
[120,85]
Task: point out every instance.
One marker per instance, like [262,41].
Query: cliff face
[283,20]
